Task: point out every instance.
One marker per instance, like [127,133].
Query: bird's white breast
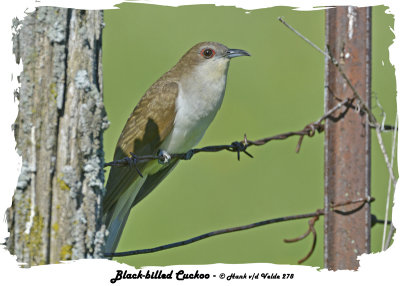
[200,97]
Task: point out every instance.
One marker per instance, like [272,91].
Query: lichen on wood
[56,208]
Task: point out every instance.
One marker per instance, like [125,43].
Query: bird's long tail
[115,218]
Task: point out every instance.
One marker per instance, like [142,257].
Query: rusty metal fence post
[347,142]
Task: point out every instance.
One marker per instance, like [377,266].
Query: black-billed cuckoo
[171,117]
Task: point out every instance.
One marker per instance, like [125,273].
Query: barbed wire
[336,113]
[373,122]
[239,146]
[364,107]
[314,217]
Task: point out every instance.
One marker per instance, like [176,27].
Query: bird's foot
[164,157]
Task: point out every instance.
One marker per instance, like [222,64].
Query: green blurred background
[279,88]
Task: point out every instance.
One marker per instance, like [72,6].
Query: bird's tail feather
[115,219]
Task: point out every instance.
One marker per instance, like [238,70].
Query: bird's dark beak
[233,53]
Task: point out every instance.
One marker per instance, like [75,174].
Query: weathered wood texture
[56,208]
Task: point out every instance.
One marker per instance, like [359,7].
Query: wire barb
[132,161]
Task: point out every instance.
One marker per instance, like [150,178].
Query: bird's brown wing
[149,124]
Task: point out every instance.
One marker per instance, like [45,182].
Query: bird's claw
[164,157]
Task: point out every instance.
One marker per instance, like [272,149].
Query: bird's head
[210,58]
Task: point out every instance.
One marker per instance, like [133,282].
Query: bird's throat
[200,97]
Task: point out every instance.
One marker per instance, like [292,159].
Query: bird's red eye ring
[207,53]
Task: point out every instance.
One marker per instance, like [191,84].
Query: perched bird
[171,117]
